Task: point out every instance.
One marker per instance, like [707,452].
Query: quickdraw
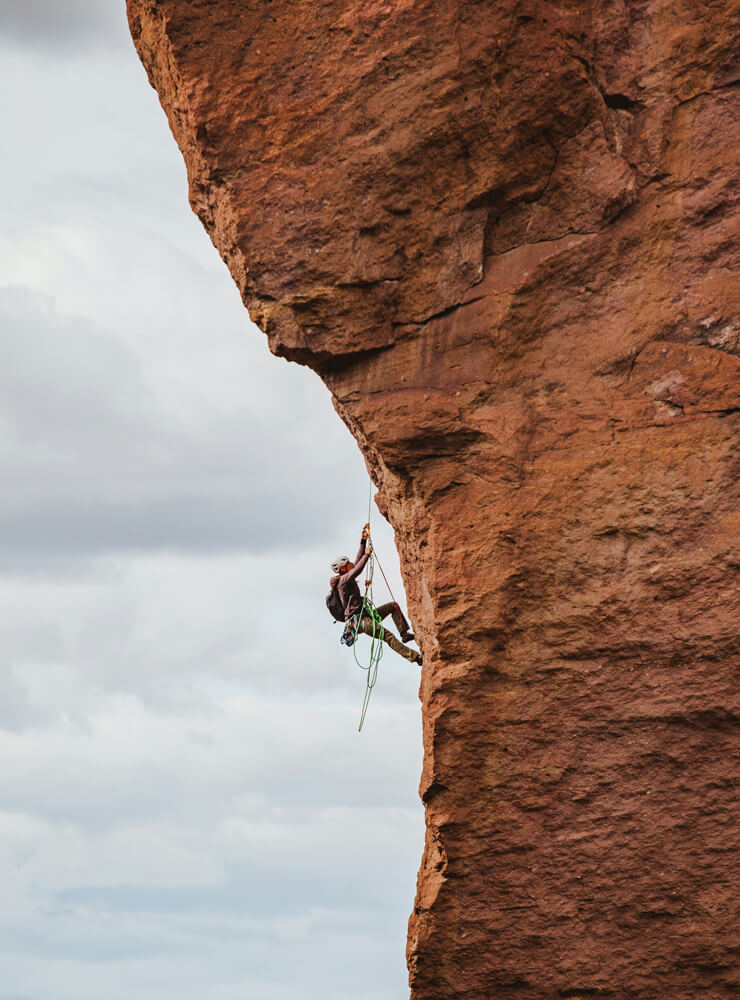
[349,636]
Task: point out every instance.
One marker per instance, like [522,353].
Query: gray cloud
[95,463]
[253,889]
[60,24]
[262,523]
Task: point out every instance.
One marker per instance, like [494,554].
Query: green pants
[370,627]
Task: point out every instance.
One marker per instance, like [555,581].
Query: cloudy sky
[186,807]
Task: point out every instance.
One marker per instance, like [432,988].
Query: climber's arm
[363,546]
[362,558]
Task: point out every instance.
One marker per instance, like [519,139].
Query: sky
[186,807]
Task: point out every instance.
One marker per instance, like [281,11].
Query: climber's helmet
[339,564]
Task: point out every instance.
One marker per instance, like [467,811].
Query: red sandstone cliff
[505,234]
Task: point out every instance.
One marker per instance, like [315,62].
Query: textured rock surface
[504,233]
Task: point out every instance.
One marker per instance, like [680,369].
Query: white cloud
[136,841]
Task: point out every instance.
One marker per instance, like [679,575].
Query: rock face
[504,234]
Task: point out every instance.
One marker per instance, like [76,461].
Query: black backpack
[334,604]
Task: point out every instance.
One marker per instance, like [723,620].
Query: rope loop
[369,611]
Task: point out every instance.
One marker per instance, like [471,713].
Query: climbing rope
[368,610]
[376,641]
[386,582]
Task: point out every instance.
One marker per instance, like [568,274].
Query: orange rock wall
[506,235]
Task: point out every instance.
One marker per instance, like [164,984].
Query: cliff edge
[506,236]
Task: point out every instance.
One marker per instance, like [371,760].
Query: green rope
[376,652]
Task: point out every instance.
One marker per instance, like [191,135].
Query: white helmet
[338,563]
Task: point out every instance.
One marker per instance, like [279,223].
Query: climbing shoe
[407,636]
[418,659]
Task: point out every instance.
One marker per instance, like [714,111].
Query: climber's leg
[399,619]
[370,627]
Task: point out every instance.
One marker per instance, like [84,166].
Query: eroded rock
[505,234]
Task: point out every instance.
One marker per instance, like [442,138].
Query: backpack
[334,604]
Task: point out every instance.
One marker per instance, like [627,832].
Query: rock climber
[345,603]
